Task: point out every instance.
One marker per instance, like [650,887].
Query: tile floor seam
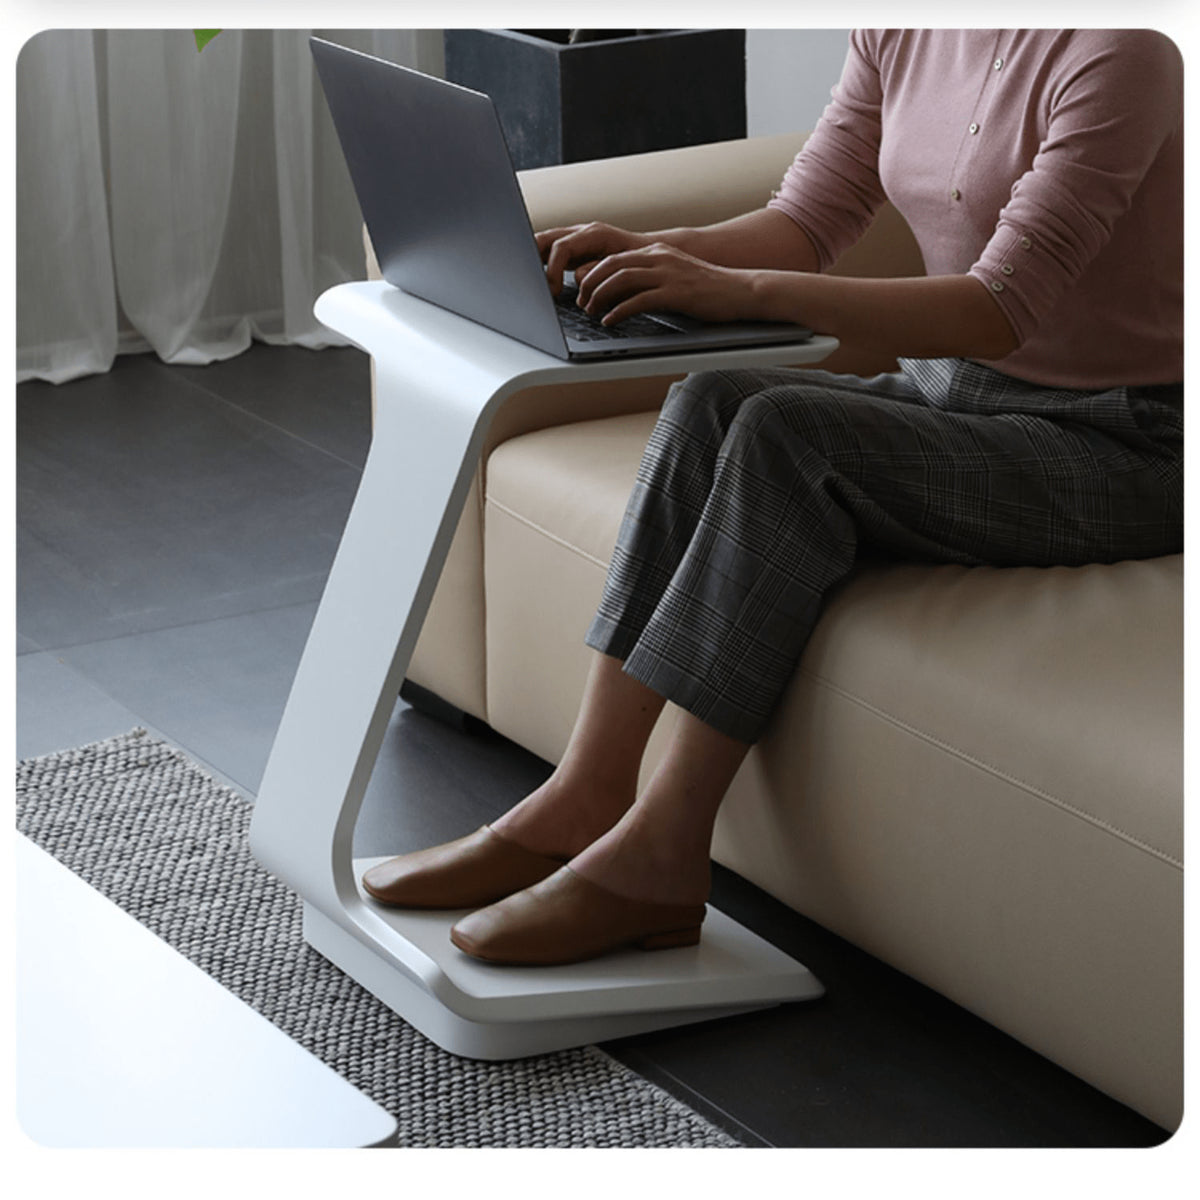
[120,637]
[644,1065]
[210,394]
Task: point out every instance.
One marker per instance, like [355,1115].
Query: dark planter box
[623,95]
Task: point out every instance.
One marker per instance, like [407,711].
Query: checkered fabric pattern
[758,489]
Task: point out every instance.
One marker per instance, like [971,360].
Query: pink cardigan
[1048,164]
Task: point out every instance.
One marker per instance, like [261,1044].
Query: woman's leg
[708,488]
[701,471]
[725,557]
[596,780]
[737,528]
[659,850]
[649,847]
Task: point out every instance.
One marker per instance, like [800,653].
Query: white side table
[123,1043]
[439,381]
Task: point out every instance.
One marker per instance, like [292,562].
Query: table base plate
[486,1011]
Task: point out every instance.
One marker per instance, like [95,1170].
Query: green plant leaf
[204,36]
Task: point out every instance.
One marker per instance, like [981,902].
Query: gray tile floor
[175,526]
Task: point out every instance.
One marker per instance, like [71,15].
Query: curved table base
[439,381]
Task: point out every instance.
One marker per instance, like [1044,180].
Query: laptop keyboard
[579,325]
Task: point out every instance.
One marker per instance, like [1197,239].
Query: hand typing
[621,273]
[579,247]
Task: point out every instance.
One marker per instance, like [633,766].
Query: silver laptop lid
[438,193]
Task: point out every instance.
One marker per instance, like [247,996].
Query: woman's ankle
[561,818]
[640,865]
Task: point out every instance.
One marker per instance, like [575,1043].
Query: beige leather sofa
[976,775]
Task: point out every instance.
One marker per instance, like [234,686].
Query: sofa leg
[432,705]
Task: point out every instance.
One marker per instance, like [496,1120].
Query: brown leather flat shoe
[467,873]
[568,919]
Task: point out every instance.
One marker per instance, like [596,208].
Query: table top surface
[391,324]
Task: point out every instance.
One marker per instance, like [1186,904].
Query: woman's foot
[644,883]
[527,844]
[466,873]
[569,919]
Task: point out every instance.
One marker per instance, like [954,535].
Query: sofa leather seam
[983,765]
[516,516]
[480,499]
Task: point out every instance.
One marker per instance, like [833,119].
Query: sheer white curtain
[178,201]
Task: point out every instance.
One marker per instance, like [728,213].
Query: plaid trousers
[759,488]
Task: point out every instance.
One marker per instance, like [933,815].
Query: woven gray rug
[151,830]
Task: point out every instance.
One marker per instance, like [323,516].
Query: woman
[1036,419]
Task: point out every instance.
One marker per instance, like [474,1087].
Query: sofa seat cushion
[976,773]
[1066,681]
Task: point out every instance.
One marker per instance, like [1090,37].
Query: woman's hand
[579,247]
[661,278]
[713,273]
[620,273]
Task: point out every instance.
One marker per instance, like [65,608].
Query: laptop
[441,203]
